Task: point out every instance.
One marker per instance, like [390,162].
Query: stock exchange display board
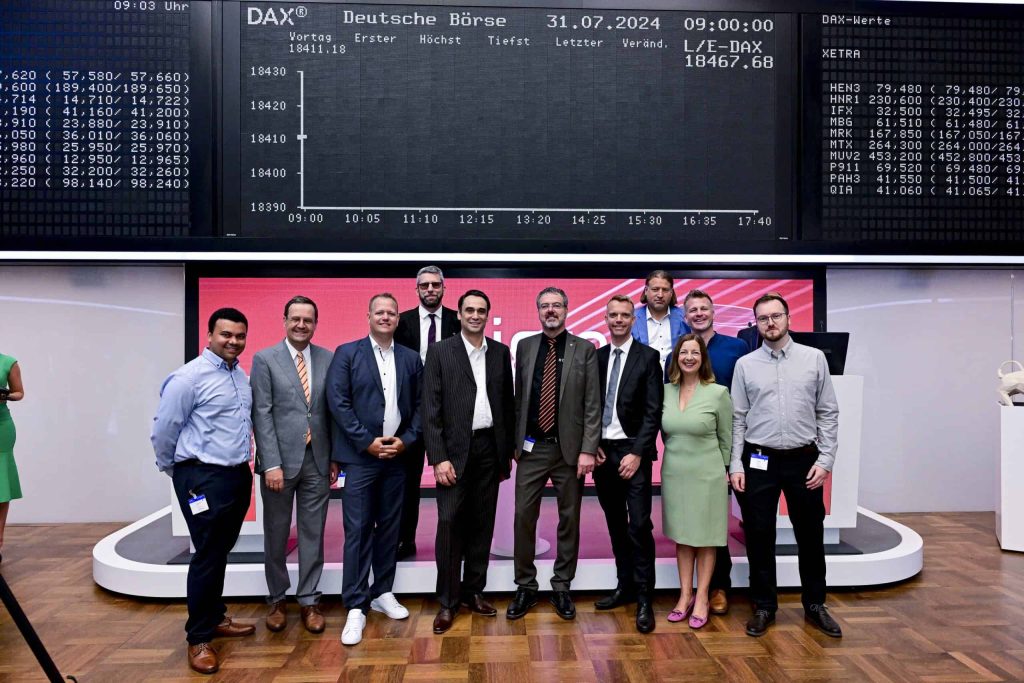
[672,126]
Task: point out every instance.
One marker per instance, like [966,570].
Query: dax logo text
[282,16]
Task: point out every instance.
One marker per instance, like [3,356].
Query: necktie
[300,365]
[546,414]
[613,381]
[432,330]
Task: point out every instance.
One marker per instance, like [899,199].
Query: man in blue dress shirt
[202,436]
[724,351]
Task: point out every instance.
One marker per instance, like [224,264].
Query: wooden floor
[962,619]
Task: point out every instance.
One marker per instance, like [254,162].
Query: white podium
[1010,494]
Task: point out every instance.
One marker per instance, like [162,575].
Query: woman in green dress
[696,426]
[11,389]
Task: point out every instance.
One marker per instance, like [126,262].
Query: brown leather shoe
[277,619]
[229,629]
[203,658]
[476,603]
[444,620]
[719,601]
[312,619]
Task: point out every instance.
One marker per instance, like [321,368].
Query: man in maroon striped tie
[558,427]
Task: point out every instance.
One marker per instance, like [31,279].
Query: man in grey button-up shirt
[785,421]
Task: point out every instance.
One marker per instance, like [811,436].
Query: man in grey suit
[468,416]
[292,428]
[558,429]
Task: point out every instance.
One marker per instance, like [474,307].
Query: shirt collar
[377,347]
[469,345]
[424,313]
[784,352]
[625,347]
[216,360]
[294,351]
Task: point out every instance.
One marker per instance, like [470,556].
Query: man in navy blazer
[373,390]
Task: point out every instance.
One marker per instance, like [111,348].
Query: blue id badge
[758,461]
[198,503]
[528,444]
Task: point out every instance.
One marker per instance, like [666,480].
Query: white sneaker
[387,604]
[354,625]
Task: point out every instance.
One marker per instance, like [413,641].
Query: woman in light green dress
[696,425]
[11,389]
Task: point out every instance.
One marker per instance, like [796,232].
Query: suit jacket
[355,396]
[639,397]
[449,396]
[579,395]
[676,319]
[280,415]
[751,337]
[408,331]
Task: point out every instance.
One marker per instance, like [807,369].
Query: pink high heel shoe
[675,616]
[697,622]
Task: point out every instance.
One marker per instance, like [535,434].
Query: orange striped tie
[300,363]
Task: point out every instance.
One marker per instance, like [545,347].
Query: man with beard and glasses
[558,430]
[659,322]
[418,329]
[785,428]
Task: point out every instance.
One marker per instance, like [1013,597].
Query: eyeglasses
[774,317]
[556,306]
[430,285]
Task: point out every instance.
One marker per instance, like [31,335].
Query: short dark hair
[382,295]
[705,373]
[697,294]
[475,292]
[662,274]
[622,299]
[302,300]
[553,290]
[230,314]
[771,296]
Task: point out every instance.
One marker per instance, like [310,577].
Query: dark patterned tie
[546,415]
[432,330]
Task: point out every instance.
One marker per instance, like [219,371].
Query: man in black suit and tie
[468,418]
[292,427]
[373,391]
[633,391]
[558,430]
[418,329]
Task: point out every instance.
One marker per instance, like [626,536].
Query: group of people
[429,381]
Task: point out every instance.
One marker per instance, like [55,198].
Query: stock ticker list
[921,127]
[94,118]
[507,122]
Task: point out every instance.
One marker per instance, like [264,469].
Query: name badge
[758,461]
[198,504]
[528,445]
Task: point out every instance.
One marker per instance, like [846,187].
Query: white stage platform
[146,560]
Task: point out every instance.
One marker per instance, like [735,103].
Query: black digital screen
[98,118]
[511,123]
[915,128]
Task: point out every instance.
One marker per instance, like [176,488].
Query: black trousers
[786,473]
[413,459]
[228,491]
[627,509]
[465,523]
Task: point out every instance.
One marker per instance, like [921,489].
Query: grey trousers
[311,491]
[532,473]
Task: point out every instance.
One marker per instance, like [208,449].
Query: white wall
[94,344]
[928,342]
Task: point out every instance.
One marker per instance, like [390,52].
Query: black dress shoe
[759,623]
[444,620]
[617,598]
[563,604]
[644,614]
[406,549]
[819,616]
[521,604]
[476,603]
